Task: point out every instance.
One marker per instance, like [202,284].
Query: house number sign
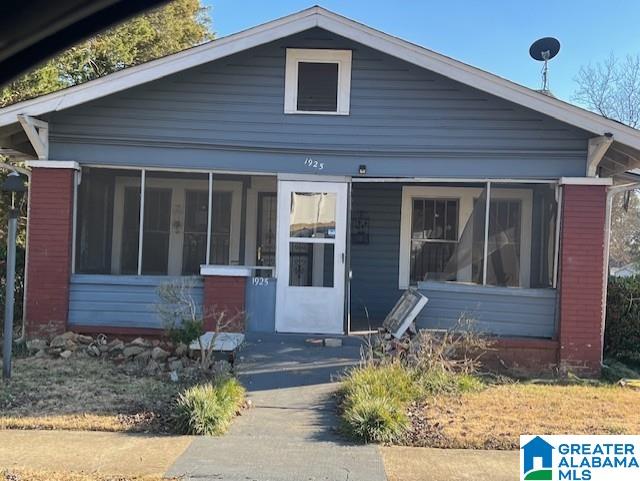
[314,164]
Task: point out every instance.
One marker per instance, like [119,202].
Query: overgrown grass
[375,400]
[95,395]
[438,382]
[208,409]
[376,397]
[84,394]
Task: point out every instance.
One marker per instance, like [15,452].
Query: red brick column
[582,293]
[49,250]
[224,294]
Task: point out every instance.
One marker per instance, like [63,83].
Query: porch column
[49,245]
[582,278]
[224,291]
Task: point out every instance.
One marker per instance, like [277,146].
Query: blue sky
[494,35]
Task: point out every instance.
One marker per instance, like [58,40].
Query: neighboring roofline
[320,17]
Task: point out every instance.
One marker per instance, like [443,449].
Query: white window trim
[465,196]
[297,55]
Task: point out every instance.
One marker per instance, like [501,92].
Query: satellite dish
[544,50]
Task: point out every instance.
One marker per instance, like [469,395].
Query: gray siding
[497,310]
[374,284]
[404,120]
[374,266]
[260,304]
[118,301]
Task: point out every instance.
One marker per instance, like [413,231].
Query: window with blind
[317,81]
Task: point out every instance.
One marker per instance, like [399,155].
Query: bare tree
[185,319]
[611,88]
[624,247]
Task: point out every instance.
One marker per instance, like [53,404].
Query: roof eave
[319,17]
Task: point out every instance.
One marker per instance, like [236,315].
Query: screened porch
[136,229]
[481,250]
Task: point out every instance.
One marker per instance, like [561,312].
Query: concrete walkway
[289,434]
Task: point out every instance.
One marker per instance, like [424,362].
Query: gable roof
[322,18]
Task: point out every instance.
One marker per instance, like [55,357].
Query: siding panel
[521,312]
[404,120]
[118,301]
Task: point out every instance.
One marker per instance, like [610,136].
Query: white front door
[311,257]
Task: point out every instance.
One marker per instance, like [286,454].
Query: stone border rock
[152,357]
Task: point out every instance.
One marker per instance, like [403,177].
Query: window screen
[194,246]
[434,236]
[108,221]
[317,87]
[220,227]
[157,230]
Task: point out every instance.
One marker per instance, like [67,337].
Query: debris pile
[389,345]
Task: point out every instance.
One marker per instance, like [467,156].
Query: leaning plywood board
[404,312]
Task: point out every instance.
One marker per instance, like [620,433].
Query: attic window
[317,81]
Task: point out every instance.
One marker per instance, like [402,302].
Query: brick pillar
[224,293]
[49,251]
[582,293]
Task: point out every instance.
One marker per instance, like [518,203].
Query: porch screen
[450,236]
[434,237]
[175,223]
[108,221]
[444,232]
[521,237]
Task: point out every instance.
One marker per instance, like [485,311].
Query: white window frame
[297,55]
[465,197]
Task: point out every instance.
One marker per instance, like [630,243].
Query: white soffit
[319,17]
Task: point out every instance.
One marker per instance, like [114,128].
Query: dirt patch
[495,417]
[84,394]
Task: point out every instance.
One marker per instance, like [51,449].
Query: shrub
[19,292]
[439,381]
[180,314]
[387,380]
[622,329]
[374,403]
[185,320]
[375,419]
[457,349]
[208,409]
[375,398]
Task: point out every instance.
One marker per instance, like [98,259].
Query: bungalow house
[309,170]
